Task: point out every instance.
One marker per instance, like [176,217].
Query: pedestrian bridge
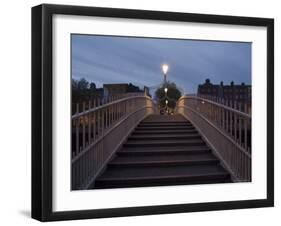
[125,142]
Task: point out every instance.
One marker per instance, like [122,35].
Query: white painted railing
[98,132]
[98,101]
[243,106]
[226,130]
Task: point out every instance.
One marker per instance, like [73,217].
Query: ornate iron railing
[226,130]
[97,133]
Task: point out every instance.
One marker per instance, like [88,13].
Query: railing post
[77,132]
[83,127]
[89,124]
[240,126]
[235,122]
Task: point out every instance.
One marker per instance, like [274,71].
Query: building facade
[240,94]
[121,88]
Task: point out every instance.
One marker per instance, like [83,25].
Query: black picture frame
[42,111]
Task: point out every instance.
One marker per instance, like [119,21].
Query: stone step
[162,175]
[150,151]
[162,131]
[164,136]
[163,159]
[167,142]
[153,124]
[139,128]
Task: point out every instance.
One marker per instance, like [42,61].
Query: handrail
[105,134]
[217,104]
[106,105]
[220,131]
[98,132]
[226,130]
[242,105]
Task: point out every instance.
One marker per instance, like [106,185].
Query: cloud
[107,59]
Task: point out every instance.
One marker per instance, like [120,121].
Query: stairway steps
[167,148]
[189,131]
[160,171]
[164,137]
[161,175]
[172,125]
[163,181]
[164,118]
[162,156]
[163,159]
[163,163]
[139,128]
[160,143]
[163,150]
[150,151]
[164,124]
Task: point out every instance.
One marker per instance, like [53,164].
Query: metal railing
[97,133]
[244,106]
[226,130]
[101,100]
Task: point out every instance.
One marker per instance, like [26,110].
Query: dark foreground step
[162,175]
[161,143]
[164,181]
[164,137]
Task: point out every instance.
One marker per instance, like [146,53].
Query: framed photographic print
[145,112]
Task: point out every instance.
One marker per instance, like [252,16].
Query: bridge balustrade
[98,132]
[225,129]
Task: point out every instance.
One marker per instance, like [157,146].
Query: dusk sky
[108,59]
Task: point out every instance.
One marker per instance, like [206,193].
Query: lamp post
[166,90]
[166,101]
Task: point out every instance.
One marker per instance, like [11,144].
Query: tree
[81,90]
[173,94]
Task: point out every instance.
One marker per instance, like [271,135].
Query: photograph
[141,112]
[150,111]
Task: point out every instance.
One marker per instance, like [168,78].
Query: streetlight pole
[166,90]
[165,68]
[166,106]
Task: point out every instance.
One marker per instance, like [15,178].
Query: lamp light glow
[165,68]
[166,90]
[166,101]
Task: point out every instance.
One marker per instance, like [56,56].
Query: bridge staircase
[163,150]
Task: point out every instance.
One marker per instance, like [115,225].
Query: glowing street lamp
[166,90]
[165,68]
[166,101]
